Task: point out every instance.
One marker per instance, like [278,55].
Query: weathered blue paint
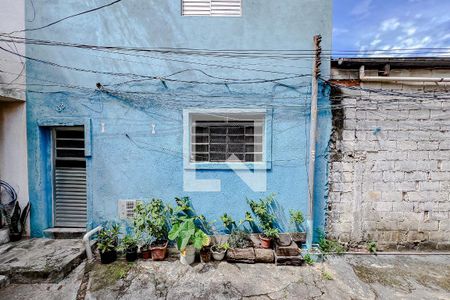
[127,161]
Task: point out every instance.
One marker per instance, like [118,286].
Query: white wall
[13,137]
[13,148]
[12,18]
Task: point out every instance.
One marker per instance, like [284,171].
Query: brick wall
[390,165]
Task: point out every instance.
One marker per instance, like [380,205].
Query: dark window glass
[220,141]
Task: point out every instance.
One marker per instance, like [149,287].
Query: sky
[391,24]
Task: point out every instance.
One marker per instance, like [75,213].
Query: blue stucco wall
[128,161]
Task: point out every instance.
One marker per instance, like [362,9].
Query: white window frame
[190,115]
[208,8]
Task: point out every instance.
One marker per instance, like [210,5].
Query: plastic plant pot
[218,255]
[131,254]
[108,257]
[187,257]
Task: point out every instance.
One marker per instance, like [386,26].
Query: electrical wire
[66,18]
[229,53]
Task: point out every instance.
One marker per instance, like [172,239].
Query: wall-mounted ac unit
[126,208]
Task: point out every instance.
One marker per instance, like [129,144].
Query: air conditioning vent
[126,209]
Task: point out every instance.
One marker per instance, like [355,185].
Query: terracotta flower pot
[266,242]
[146,253]
[159,252]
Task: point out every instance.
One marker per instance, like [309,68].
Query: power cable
[66,18]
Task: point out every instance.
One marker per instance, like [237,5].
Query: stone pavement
[342,277]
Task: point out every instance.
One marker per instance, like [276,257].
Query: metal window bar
[216,141]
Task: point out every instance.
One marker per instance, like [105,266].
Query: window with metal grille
[227,139]
[212,7]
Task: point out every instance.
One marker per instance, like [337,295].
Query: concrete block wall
[390,167]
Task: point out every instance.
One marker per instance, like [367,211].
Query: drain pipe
[87,243]
[363,77]
[312,140]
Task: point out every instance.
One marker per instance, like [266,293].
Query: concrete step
[64,233]
[40,260]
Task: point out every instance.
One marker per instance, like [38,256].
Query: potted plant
[241,247]
[266,219]
[107,242]
[219,251]
[145,251]
[129,245]
[15,218]
[188,237]
[140,225]
[297,219]
[267,236]
[158,228]
[205,253]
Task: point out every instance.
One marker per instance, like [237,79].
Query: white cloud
[375,42]
[390,24]
[410,30]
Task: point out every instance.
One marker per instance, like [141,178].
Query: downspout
[363,77]
[312,140]
[87,243]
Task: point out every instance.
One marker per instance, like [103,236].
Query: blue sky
[391,24]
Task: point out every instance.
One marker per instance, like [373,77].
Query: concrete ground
[343,277]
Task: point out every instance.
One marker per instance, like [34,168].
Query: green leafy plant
[327,275]
[248,217]
[140,220]
[308,259]
[157,222]
[186,233]
[128,242]
[271,233]
[220,247]
[15,217]
[184,205]
[372,247]
[239,239]
[266,219]
[228,222]
[205,225]
[329,246]
[297,219]
[151,221]
[107,239]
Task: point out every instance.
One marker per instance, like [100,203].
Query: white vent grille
[212,7]
[126,209]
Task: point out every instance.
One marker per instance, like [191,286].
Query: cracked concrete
[342,277]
